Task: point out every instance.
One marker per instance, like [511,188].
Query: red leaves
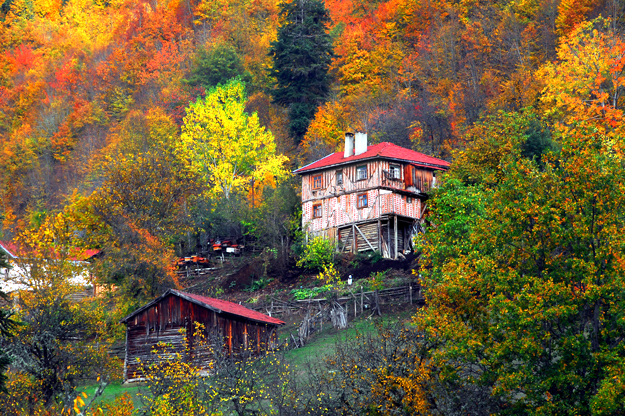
[23,57]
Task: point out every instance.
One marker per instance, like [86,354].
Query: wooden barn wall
[171,321]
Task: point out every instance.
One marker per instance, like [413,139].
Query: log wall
[171,321]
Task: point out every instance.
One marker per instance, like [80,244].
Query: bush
[307,293]
[318,253]
[329,275]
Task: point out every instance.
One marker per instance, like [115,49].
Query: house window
[395,172]
[361,172]
[317,181]
[339,177]
[317,211]
[362,201]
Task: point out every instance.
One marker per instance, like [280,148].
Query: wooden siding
[340,210]
[377,175]
[172,321]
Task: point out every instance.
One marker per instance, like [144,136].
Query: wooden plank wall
[343,210]
[370,230]
[411,175]
[350,181]
[171,321]
[339,203]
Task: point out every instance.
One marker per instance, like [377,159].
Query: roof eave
[424,164]
[158,299]
[6,250]
[190,299]
[255,320]
[312,163]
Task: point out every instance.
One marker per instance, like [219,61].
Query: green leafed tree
[524,273]
[301,58]
[216,65]
[227,146]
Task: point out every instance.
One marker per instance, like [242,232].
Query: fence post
[362,300]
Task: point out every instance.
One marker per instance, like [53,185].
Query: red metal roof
[232,308]
[381,150]
[15,251]
[10,248]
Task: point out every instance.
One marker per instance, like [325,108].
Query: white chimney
[361,143]
[349,144]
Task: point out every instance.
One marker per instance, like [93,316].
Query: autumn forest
[145,131]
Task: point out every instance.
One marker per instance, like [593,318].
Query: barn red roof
[381,150]
[233,308]
[10,248]
[15,251]
[217,305]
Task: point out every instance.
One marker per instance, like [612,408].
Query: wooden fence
[355,304]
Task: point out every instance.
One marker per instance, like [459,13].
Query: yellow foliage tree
[586,85]
[228,147]
[63,341]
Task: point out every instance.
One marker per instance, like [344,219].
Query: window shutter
[408,175]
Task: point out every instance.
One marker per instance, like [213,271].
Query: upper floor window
[362,201]
[339,177]
[317,181]
[395,172]
[317,211]
[361,172]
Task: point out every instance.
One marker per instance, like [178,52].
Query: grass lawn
[322,343]
[114,390]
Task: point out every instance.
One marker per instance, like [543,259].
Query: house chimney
[361,143]
[349,144]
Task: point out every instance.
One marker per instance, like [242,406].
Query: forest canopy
[148,130]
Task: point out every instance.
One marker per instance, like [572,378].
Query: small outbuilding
[170,319]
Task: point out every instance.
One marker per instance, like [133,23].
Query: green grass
[114,390]
[323,343]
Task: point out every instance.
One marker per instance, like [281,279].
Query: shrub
[318,253]
[377,280]
[329,275]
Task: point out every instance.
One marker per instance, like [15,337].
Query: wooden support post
[353,238]
[379,235]
[230,338]
[126,356]
[388,227]
[395,237]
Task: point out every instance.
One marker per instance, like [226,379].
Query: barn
[170,319]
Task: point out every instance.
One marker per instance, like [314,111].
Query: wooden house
[22,260]
[368,197]
[170,319]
